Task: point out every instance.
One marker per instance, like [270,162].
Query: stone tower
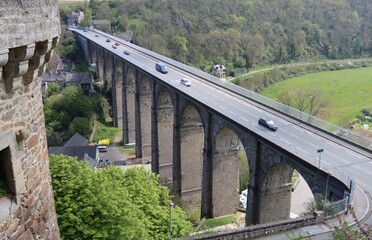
[29,31]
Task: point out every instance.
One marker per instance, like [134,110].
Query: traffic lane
[233,107]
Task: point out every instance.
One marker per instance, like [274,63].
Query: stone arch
[129,121]
[165,122]
[145,102]
[225,181]
[191,155]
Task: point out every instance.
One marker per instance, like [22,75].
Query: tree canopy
[70,109]
[244,33]
[112,204]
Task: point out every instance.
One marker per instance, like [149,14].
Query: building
[65,79]
[29,33]
[75,18]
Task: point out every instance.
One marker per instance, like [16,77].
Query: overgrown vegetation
[319,202]
[112,204]
[69,112]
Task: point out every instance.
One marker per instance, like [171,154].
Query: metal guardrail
[295,113]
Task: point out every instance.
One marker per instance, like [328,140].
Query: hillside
[241,34]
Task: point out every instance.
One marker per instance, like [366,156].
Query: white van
[161,67]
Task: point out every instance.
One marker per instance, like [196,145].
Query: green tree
[151,194]
[179,47]
[80,125]
[90,206]
[112,204]
[53,89]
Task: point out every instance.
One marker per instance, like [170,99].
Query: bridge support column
[176,186]
[99,63]
[109,58]
[117,93]
[154,130]
[252,210]
[207,181]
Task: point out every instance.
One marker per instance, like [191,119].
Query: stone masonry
[29,32]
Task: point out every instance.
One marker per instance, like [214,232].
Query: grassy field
[349,91]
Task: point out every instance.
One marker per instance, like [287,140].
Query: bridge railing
[305,117]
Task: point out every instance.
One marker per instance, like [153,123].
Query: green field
[349,91]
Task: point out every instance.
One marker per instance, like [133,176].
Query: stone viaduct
[29,32]
[196,151]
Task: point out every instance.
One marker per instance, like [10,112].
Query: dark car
[108,40]
[268,123]
[126,52]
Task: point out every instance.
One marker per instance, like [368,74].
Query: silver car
[185,82]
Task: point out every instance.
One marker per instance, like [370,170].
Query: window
[6,173]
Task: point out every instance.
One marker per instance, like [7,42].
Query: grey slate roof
[76,140]
[88,153]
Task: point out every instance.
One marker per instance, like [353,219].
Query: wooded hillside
[243,33]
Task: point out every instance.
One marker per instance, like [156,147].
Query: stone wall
[29,32]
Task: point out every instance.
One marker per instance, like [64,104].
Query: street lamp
[320,152]
[326,190]
[170,220]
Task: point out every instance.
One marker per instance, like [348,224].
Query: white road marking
[354,154]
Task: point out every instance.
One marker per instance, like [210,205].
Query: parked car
[161,67]
[108,40]
[126,52]
[243,199]
[185,82]
[268,123]
[102,148]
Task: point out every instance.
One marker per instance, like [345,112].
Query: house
[219,70]
[75,18]
[64,79]
[77,140]
[77,146]
[82,153]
